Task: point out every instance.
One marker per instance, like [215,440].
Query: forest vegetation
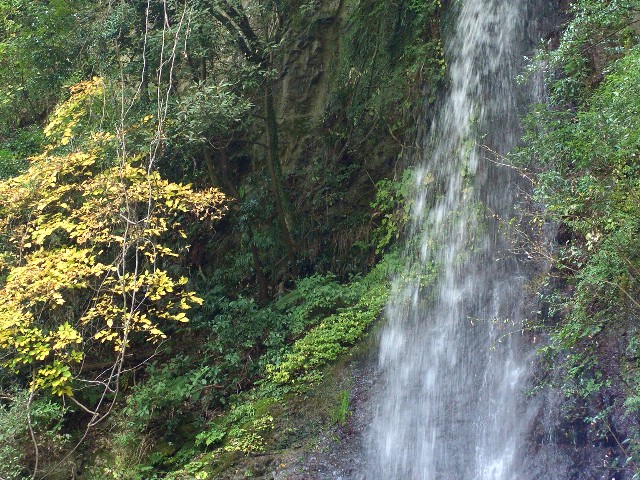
[202,203]
[581,151]
[199,203]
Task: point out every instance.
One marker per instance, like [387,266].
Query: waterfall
[453,360]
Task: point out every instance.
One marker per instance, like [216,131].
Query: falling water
[453,359]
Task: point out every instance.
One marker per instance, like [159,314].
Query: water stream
[453,359]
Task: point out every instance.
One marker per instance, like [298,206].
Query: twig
[624,451]
[32,433]
[70,397]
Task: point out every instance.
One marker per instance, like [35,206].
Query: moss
[389,55]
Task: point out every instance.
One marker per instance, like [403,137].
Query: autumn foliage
[91,236]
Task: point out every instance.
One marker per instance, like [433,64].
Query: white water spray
[453,359]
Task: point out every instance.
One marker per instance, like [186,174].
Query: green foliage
[391,209]
[10,164]
[158,413]
[162,398]
[585,151]
[329,315]
[240,430]
[313,299]
[95,233]
[208,111]
[339,414]
[590,183]
[15,436]
[243,337]
[598,32]
[324,318]
[235,333]
[38,40]
[15,150]
[388,51]
[303,363]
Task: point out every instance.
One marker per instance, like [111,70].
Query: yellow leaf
[58,298]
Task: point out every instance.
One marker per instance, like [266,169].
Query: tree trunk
[228,185]
[211,168]
[233,17]
[283,209]
[145,99]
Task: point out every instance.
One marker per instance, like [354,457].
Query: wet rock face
[564,443]
[337,453]
[309,443]
[599,449]
[303,86]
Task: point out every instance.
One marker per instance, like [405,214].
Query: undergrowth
[584,151]
[321,317]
